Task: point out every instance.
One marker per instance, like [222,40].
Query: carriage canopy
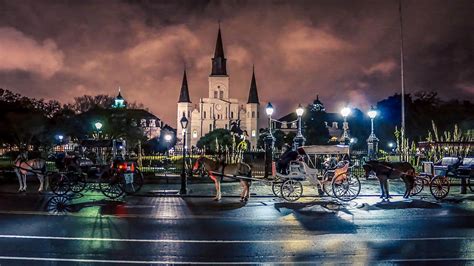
[325,149]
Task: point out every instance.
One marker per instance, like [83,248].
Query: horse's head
[369,168]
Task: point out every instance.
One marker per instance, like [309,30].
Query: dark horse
[234,169]
[386,170]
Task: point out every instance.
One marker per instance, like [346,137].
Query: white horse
[23,167]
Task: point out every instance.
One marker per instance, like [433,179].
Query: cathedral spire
[253,93]
[184,94]
[219,60]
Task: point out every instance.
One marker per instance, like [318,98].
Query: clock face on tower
[218,107]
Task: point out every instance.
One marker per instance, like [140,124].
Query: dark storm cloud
[345,51]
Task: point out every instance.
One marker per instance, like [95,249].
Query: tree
[315,130]
[216,140]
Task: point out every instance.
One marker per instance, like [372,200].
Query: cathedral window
[221,94]
[254,133]
[204,114]
[215,94]
[231,114]
[210,127]
[225,126]
[195,134]
[253,114]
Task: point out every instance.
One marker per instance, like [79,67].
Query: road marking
[222,241]
[210,262]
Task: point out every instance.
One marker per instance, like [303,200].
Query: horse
[23,167]
[234,169]
[386,170]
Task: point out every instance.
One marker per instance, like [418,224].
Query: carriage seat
[467,167]
[447,165]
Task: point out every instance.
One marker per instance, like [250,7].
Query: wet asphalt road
[177,230]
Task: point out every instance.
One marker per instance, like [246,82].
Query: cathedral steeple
[184,94]
[253,93]
[219,60]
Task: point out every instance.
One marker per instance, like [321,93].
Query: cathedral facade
[219,110]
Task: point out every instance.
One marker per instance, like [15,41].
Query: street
[197,230]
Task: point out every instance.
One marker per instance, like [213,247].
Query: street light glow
[390,144]
[299,111]
[372,113]
[269,109]
[346,111]
[168,137]
[98,125]
[60,137]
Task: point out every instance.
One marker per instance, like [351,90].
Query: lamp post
[372,141]
[184,125]
[269,141]
[345,112]
[299,139]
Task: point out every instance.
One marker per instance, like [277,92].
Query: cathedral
[219,110]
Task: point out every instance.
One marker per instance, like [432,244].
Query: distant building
[333,121]
[219,110]
[151,125]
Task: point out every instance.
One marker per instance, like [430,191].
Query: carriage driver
[286,157]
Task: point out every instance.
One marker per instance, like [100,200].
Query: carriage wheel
[346,187]
[418,186]
[59,205]
[77,182]
[111,186]
[59,183]
[439,187]
[276,189]
[135,185]
[291,190]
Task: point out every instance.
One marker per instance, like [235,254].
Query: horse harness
[31,170]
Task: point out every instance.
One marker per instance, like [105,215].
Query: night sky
[345,51]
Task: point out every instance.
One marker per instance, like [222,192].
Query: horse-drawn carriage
[319,165]
[438,176]
[96,165]
[338,182]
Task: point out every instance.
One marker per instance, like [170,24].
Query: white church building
[218,110]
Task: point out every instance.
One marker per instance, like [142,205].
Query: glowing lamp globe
[299,110]
[372,113]
[98,125]
[345,111]
[269,109]
[168,137]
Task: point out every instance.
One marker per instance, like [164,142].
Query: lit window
[254,133]
[195,134]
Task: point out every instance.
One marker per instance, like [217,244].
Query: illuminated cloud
[21,52]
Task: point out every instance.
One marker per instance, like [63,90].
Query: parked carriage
[320,165]
[103,168]
[438,176]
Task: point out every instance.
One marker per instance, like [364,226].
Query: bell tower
[184,107]
[252,112]
[219,80]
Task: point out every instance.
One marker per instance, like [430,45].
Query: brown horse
[386,170]
[216,169]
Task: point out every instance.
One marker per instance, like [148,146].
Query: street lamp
[299,138]
[269,141]
[168,137]
[372,141]
[184,125]
[345,112]
[98,125]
